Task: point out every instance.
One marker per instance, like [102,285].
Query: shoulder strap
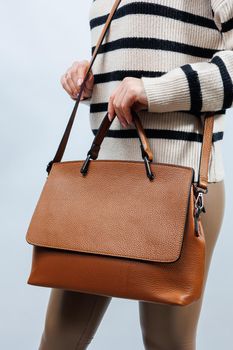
[62,146]
[208,121]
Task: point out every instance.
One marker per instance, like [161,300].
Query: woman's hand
[73,78]
[129,93]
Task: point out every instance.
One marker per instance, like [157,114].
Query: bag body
[116,233]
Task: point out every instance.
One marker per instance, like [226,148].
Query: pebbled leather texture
[114,210]
[102,234]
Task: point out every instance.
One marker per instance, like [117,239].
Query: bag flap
[114,210]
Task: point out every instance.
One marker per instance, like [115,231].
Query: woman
[172,61]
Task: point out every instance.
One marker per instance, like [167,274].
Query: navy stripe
[161,134]
[227,81]
[194,88]
[98,107]
[227,26]
[103,107]
[158,10]
[121,74]
[155,44]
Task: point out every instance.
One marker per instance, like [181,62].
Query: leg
[72,319]
[171,327]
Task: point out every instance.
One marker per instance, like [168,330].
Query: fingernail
[79,82]
[109,117]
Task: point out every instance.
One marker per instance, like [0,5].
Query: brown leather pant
[72,318]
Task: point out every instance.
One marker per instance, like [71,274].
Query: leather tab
[206,151]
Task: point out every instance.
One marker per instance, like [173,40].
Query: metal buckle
[200,189]
[149,173]
[199,206]
[147,162]
[49,166]
[85,165]
[199,203]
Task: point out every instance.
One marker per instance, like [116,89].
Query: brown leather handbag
[122,228]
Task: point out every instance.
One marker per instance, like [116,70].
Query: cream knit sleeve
[202,86]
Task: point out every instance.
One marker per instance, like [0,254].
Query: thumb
[90,81]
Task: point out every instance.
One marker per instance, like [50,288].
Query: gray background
[39,41]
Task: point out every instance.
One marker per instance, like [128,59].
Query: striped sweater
[182,50]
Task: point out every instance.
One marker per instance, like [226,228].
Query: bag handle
[93,152]
[208,120]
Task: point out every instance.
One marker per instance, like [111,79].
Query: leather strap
[105,125]
[62,146]
[208,120]
[205,151]
[142,135]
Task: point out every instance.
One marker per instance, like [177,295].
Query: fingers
[117,104]
[73,78]
[90,81]
[126,103]
[66,86]
[120,103]
[111,111]
[113,107]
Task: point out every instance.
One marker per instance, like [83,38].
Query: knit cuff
[167,93]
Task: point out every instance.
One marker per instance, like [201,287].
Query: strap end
[49,166]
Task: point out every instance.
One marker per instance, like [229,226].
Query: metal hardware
[199,203]
[150,175]
[200,189]
[149,172]
[85,165]
[49,166]
[198,206]
[147,162]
